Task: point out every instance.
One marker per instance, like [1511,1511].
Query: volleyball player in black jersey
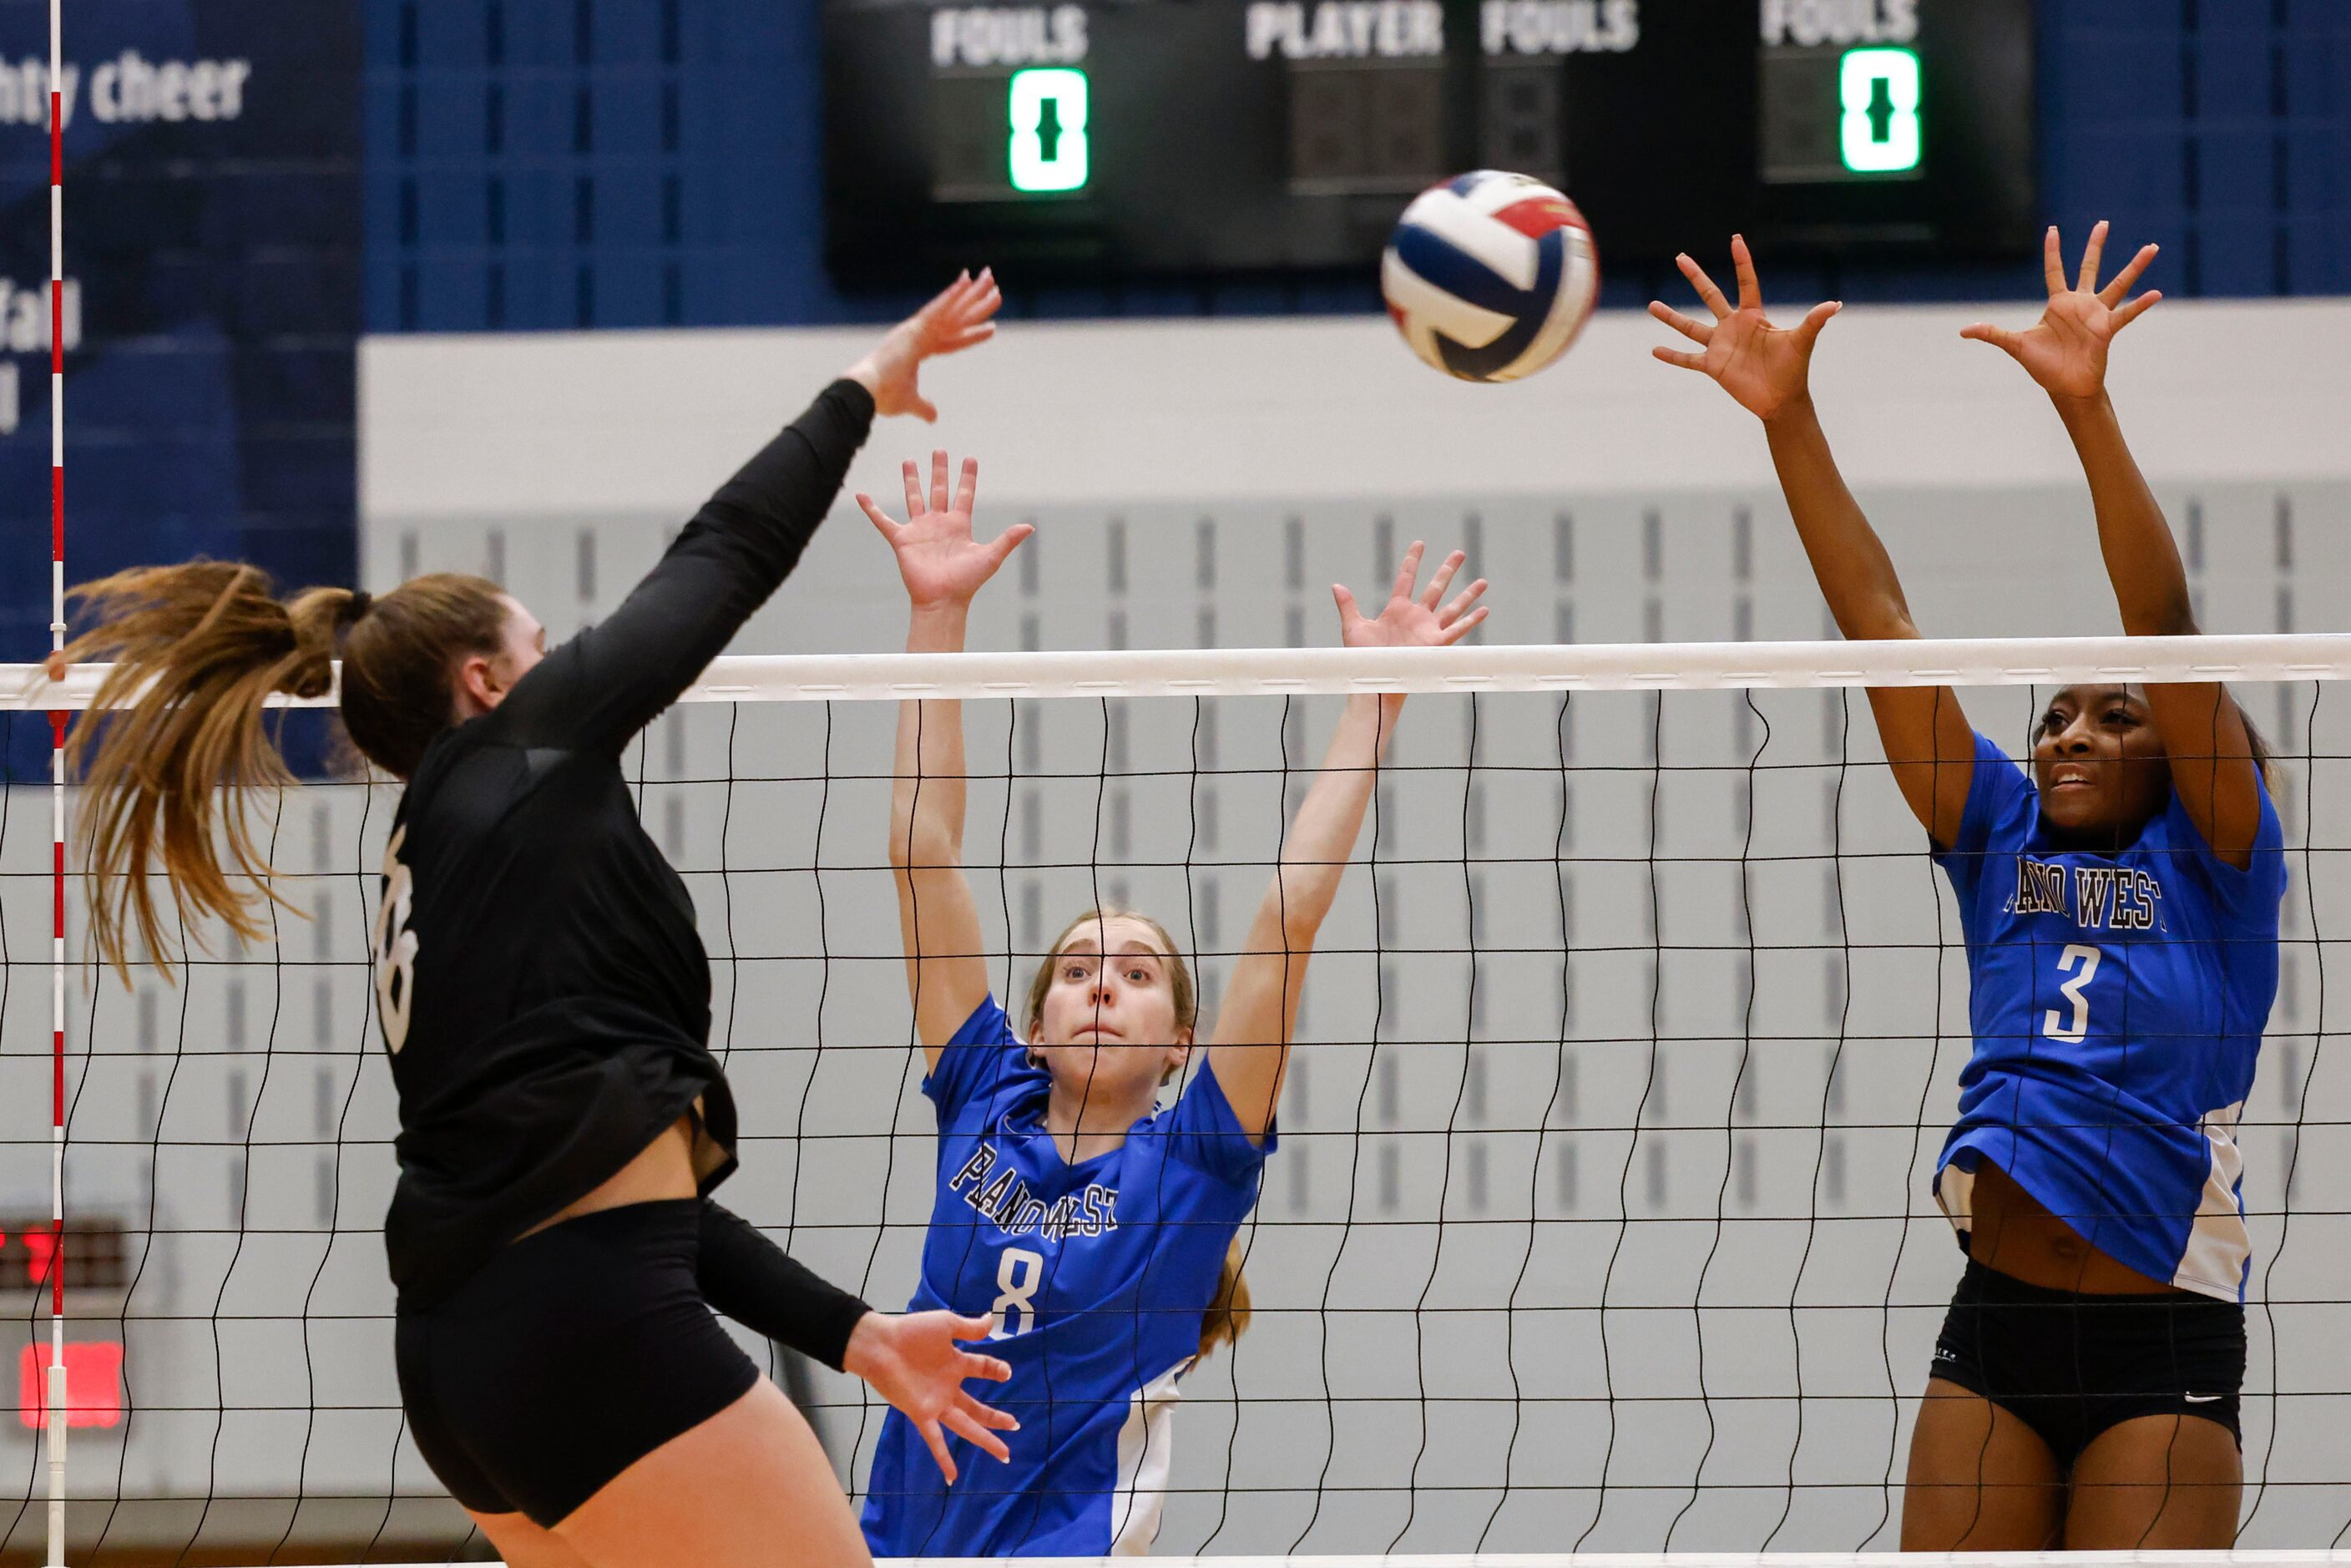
[546,1001]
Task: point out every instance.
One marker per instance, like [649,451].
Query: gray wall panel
[1664,1226]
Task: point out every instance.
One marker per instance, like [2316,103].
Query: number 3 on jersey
[395,946]
[2072,1030]
[1017,1275]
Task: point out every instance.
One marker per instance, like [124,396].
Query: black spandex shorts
[568,1357]
[2072,1365]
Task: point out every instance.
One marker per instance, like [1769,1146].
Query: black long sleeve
[753,1281]
[598,689]
[548,1007]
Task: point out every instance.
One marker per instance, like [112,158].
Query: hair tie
[358,604]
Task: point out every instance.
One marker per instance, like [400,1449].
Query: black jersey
[542,990]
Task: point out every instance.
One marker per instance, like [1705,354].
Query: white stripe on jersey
[1147,1445]
[1955,1192]
[2217,1244]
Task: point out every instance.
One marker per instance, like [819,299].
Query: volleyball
[1490,276]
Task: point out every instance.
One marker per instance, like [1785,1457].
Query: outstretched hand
[2065,350]
[938,560]
[958,318]
[1765,367]
[1410,621]
[916,1362]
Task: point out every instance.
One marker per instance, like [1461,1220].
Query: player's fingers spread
[1818,317]
[2094,255]
[1409,573]
[1687,361]
[977,309]
[1463,627]
[1006,543]
[987,1415]
[913,477]
[939,312]
[881,519]
[2053,262]
[1708,292]
[936,1442]
[1463,601]
[971,1363]
[939,479]
[977,1435]
[1688,326]
[1750,287]
[972,1413]
[2114,293]
[968,487]
[1346,602]
[2136,309]
[1998,337]
[1435,594]
[982,1326]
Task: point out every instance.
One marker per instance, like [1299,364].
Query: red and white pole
[56,1380]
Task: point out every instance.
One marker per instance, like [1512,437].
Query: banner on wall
[211,302]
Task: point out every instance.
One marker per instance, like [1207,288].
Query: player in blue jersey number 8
[1098,1228]
[2121,916]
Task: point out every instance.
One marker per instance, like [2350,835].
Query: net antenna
[55,1394]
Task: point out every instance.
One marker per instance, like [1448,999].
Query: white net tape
[1306,672]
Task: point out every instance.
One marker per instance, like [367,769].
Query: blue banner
[212,296]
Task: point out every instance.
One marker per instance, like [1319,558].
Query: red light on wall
[93,1384]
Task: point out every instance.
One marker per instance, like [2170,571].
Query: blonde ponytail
[1228,1316]
[176,735]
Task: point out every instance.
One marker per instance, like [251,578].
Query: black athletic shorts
[2071,1365]
[568,1357]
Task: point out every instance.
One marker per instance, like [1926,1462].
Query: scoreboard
[1095,138]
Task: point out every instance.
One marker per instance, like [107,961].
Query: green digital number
[1047,110]
[1879,91]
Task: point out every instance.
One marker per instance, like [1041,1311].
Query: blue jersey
[1099,1275]
[2117,1003]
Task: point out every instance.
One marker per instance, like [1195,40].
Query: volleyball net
[1601,1219]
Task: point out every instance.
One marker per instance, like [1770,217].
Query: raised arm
[1927,737]
[1250,1051]
[942,566]
[601,687]
[2212,764]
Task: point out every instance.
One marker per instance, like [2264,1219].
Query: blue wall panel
[210,395]
[2219,129]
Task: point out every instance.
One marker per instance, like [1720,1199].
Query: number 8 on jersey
[395,946]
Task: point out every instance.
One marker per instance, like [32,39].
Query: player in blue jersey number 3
[1100,1230]
[2121,916]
